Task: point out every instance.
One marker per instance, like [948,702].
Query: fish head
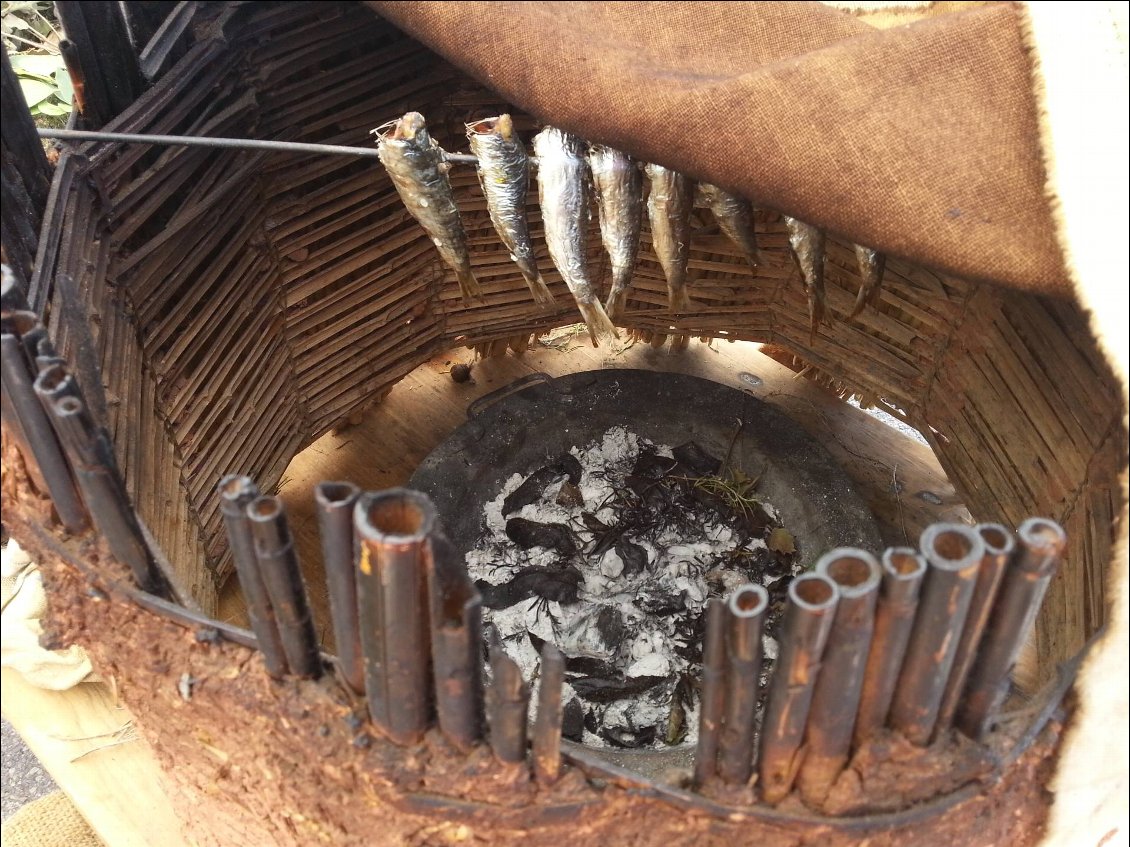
[411,127]
[502,126]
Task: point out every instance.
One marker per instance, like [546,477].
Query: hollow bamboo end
[997,538]
[748,601]
[952,547]
[397,516]
[856,572]
[814,592]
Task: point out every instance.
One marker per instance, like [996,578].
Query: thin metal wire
[229,143]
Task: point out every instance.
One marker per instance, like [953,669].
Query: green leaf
[66,91]
[54,107]
[35,91]
[39,64]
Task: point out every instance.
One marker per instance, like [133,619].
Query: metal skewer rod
[229,143]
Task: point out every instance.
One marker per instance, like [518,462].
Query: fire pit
[601,510]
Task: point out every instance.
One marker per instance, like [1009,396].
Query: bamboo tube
[547,723]
[713,691]
[236,494]
[954,554]
[507,701]
[335,502]
[1041,544]
[747,605]
[999,547]
[903,570]
[38,432]
[835,700]
[457,637]
[282,577]
[808,620]
[101,486]
[393,527]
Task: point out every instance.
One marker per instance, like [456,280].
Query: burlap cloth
[50,821]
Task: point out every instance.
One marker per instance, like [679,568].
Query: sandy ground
[24,779]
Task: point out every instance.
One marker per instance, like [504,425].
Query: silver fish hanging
[504,173]
[735,218]
[564,195]
[619,190]
[417,168]
[871,266]
[808,250]
[669,208]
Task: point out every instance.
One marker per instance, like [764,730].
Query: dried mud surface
[248,760]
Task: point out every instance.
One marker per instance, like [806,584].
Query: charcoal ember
[552,536]
[570,496]
[692,457]
[531,490]
[650,465]
[597,689]
[592,721]
[629,738]
[557,584]
[573,720]
[660,604]
[633,556]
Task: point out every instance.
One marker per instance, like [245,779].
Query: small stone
[611,565]
[460,373]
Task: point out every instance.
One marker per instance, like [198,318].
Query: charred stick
[745,621]
[393,527]
[98,479]
[808,620]
[713,692]
[39,434]
[335,502]
[954,554]
[547,723]
[999,547]
[1041,544]
[457,637]
[507,702]
[903,570]
[236,494]
[835,700]
[282,577]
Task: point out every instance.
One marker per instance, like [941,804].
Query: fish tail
[596,321]
[542,295]
[754,258]
[468,285]
[677,299]
[860,301]
[617,299]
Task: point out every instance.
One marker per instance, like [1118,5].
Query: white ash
[680,562]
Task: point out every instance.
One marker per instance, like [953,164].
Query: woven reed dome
[243,303]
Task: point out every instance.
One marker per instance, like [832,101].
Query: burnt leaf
[593,523]
[570,466]
[558,584]
[633,556]
[532,490]
[573,720]
[597,689]
[553,536]
[570,496]
[692,457]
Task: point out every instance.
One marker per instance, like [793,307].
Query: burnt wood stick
[282,577]
[507,705]
[96,474]
[835,700]
[744,624]
[236,494]
[1041,543]
[551,713]
[109,61]
[335,502]
[393,528]
[954,554]
[808,620]
[903,570]
[24,151]
[73,64]
[39,433]
[712,701]
[457,636]
[999,548]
